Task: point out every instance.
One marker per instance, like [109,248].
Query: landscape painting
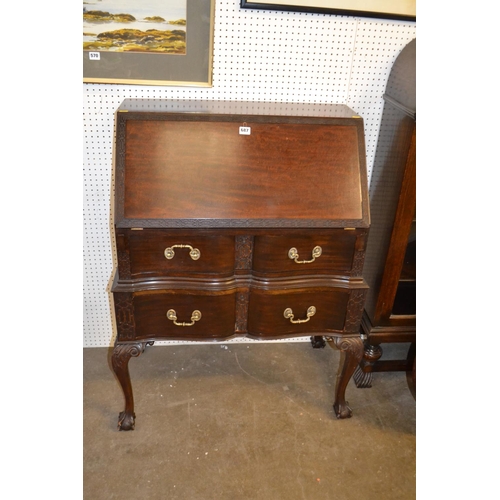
[146,26]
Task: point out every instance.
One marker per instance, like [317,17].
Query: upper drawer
[156,252]
[299,253]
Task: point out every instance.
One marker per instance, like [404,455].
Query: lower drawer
[183,315]
[298,312]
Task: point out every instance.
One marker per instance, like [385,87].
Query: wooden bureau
[238,219]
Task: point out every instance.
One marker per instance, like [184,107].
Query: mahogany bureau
[238,219]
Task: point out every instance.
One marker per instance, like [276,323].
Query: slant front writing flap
[249,172]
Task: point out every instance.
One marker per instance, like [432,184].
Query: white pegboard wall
[258,56]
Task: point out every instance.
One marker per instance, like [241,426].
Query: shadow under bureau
[237,219]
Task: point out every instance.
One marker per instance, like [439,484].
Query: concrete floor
[245,421]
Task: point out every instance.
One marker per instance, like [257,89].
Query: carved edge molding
[122,222]
[124,310]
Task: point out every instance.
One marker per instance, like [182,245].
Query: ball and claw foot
[318,342]
[126,421]
[342,410]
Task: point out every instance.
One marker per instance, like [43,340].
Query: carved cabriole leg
[363,374]
[351,351]
[119,360]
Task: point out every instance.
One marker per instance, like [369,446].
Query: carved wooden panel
[122,250]
[124,310]
[355,310]
[244,251]
[359,255]
[241,325]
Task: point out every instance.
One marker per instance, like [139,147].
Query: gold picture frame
[191,68]
[385,9]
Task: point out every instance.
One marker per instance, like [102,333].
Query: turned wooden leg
[119,360]
[363,374]
[351,352]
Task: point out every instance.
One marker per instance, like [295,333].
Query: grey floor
[245,421]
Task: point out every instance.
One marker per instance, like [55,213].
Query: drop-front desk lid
[239,164]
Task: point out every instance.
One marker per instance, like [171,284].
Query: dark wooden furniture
[238,219]
[390,265]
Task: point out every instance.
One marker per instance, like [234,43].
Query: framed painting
[148,42]
[385,9]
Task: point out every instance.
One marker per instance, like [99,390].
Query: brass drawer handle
[311,311]
[294,255]
[172,316]
[193,252]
